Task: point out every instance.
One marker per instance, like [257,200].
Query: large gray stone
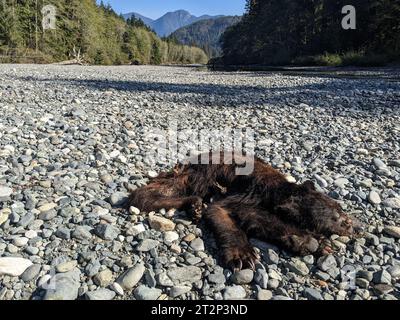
[312,294]
[234,293]
[100,294]
[145,293]
[131,277]
[297,266]
[14,267]
[185,275]
[107,231]
[243,276]
[63,286]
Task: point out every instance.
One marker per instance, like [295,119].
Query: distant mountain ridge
[146,20]
[206,34]
[171,21]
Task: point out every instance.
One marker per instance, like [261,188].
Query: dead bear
[262,204]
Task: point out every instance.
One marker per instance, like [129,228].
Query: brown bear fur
[261,205]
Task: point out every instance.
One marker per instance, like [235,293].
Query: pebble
[161,224]
[383,289]
[134,211]
[395,163]
[152,174]
[4,214]
[393,203]
[175,248]
[20,242]
[374,198]
[341,182]
[197,245]
[178,291]
[234,293]
[145,293]
[362,283]
[273,284]
[117,288]
[261,278]
[47,207]
[379,164]
[63,233]
[273,274]
[32,250]
[321,181]
[309,260]
[367,183]
[106,178]
[136,230]
[185,275]
[63,286]
[14,267]
[264,295]
[31,273]
[48,215]
[189,238]
[281,298]
[12,249]
[217,278]
[131,277]
[365,274]
[5,192]
[290,179]
[30,234]
[119,199]
[100,294]
[271,257]
[147,245]
[66,266]
[394,271]
[382,277]
[312,294]
[326,263]
[392,231]
[81,233]
[298,267]
[171,236]
[243,276]
[103,278]
[107,231]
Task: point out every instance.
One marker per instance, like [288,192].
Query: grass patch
[352,58]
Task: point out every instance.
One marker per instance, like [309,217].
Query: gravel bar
[73,138]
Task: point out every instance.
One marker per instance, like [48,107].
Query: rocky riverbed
[72,139]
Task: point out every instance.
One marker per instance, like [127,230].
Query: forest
[83,28]
[280,32]
[205,34]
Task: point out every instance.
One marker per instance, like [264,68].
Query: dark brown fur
[262,205]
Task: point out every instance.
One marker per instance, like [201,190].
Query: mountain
[146,20]
[171,21]
[205,34]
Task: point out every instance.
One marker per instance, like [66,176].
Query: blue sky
[156,8]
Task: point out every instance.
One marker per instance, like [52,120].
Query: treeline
[94,32]
[277,32]
[205,34]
